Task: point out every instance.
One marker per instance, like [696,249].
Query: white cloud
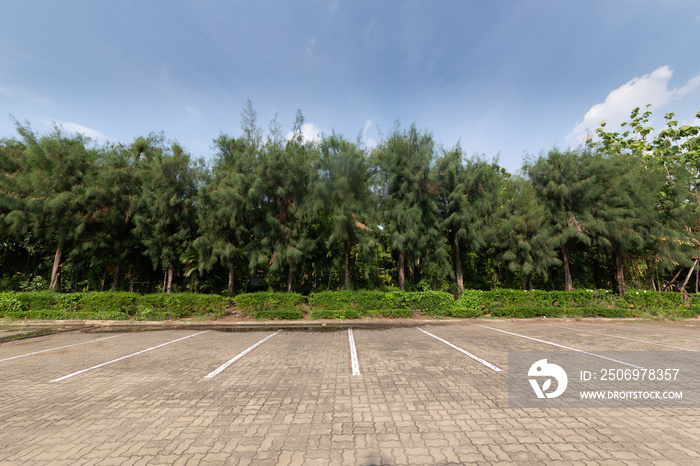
[369,141]
[366,128]
[651,89]
[309,131]
[310,47]
[80,129]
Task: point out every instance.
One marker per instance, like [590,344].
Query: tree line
[286,213]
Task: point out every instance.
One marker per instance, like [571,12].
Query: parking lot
[431,394]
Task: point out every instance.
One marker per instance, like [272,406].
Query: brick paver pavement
[294,400]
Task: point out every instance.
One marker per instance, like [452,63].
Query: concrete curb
[118,325]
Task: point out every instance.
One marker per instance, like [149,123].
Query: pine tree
[282,192]
[469,196]
[524,236]
[225,216]
[344,192]
[409,200]
[106,232]
[48,196]
[565,186]
[164,212]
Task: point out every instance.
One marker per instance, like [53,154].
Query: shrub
[10,304]
[107,302]
[366,300]
[431,302]
[653,299]
[331,300]
[252,303]
[148,313]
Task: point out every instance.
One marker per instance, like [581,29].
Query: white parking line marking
[625,338]
[239,356]
[476,358]
[562,346]
[58,348]
[353,354]
[125,357]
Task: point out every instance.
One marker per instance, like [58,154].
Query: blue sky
[509,77]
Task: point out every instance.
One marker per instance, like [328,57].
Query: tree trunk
[55,284]
[290,276]
[402,275]
[690,273]
[117,274]
[231,277]
[169,288]
[347,265]
[458,270]
[619,274]
[568,283]
[523,281]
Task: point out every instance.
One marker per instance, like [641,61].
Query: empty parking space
[367,396]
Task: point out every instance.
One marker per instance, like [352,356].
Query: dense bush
[428,302]
[332,300]
[346,305]
[109,306]
[256,304]
[529,312]
[431,302]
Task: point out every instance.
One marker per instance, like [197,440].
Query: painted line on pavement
[564,347]
[124,357]
[626,338]
[58,348]
[353,354]
[214,373]
[474,357]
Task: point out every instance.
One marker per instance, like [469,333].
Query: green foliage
[331,300]
[9,304]
[409,208]
[470,304]
[313,213]
[110,306]
[150,314]
[121,302]
[523,312]
[431,302]
[653,299]
[164,213]
[255,303]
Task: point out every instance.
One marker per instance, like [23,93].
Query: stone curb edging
[120,325]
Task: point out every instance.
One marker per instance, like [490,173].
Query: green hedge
[346,305]
[254,303]
[428,302]
[110,306]
[343,314]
